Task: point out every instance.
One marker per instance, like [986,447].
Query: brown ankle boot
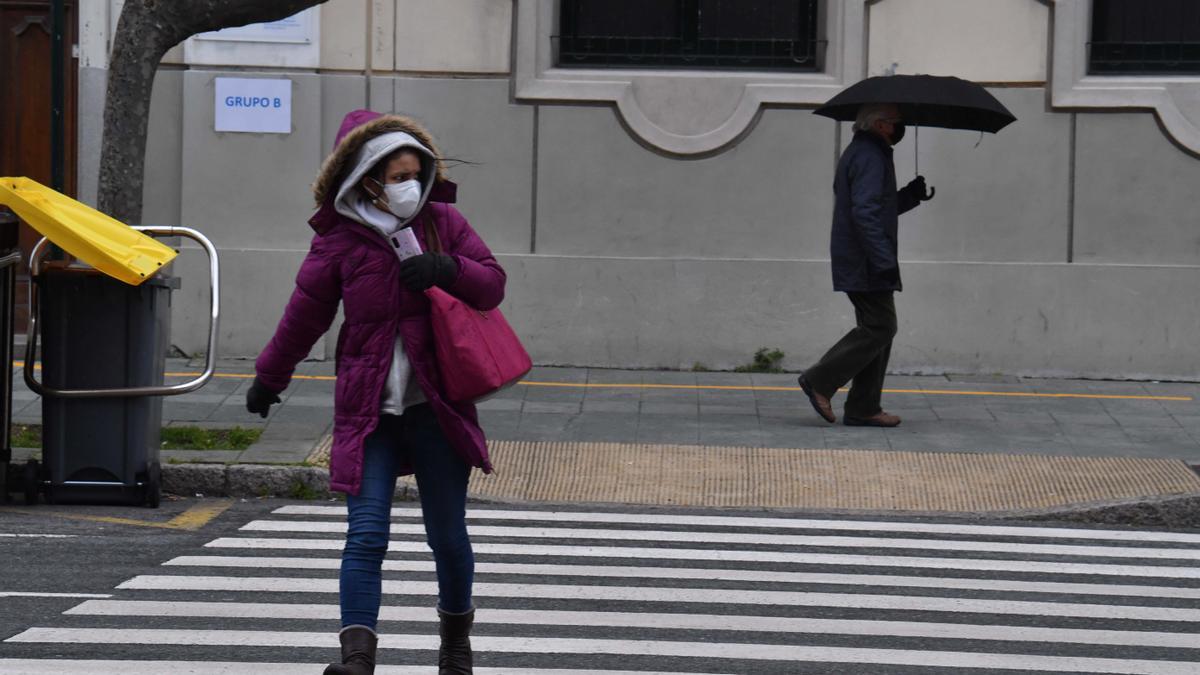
[454,658]
[358,652]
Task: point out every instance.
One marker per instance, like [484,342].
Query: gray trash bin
[103,372]
[99,332]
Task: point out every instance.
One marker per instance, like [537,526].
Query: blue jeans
[442,481]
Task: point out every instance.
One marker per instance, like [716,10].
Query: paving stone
[950,412]
[574,394]
[542,426]
[602,394]
[542,374]
[776,434]
[1101,419]
[499,425]
[782,412]
[193,412]
[534,406]
[279,452]
[1162,436]
[724,379]
[910,415]
[670,396]
[499,404]
[1022,418]
[667,429]
[751,438]
[602,427]
[200,456]
[1134,420]
[670,408]
[629,407]
[309,401]
[198,398]
[743,410]
[280,431]
[668,377]
[207,424]
[775,380]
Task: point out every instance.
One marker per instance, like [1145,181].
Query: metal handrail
[210,366]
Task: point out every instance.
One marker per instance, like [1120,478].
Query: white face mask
[403,198]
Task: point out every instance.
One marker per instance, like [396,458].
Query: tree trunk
[145,31]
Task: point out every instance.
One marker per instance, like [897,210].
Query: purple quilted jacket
[351,264]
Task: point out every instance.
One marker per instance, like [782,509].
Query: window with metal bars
[710,34]
[1144,37]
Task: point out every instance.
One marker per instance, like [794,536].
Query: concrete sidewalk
[1056,442]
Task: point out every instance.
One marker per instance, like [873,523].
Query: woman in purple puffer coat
[391,416]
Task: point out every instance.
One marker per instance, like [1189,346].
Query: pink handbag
[477,352]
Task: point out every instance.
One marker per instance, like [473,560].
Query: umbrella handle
[917,150]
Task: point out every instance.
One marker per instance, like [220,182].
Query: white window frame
[1174,98]
[536,78]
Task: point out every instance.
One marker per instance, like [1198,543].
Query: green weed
[766,360]
[197,438]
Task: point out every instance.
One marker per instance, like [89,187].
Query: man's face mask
[897,132]
[403,198]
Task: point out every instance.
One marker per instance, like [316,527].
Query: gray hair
[871,113]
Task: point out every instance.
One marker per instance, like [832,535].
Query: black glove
[890,275]
[428,269]
[916,187]
[259,398]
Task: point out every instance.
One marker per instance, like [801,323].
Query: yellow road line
[190,520]
[1123,397]
[200,515]
[940,392]
[730,387]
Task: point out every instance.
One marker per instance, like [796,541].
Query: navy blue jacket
[866,208]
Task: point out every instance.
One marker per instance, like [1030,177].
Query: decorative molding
[42,22]
[685,112]
[1175,99]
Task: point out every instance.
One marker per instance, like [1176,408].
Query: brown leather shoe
[819,402]
[879,419]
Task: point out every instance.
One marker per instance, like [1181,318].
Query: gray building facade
[664,218]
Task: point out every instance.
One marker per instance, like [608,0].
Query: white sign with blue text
[253,105]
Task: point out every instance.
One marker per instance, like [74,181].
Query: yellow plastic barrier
[103,242]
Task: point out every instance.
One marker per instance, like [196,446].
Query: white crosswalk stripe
[623,592]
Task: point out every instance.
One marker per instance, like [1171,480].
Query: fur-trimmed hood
[359,127]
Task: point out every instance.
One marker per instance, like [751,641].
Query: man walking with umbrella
[866,207]
[866,267]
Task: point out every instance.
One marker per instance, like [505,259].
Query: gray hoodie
[400,390]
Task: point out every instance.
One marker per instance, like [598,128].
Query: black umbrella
[924,100]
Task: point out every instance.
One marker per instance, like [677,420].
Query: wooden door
[26,41]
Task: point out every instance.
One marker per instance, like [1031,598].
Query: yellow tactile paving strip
[682,475]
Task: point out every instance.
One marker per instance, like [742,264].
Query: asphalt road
[598,590]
